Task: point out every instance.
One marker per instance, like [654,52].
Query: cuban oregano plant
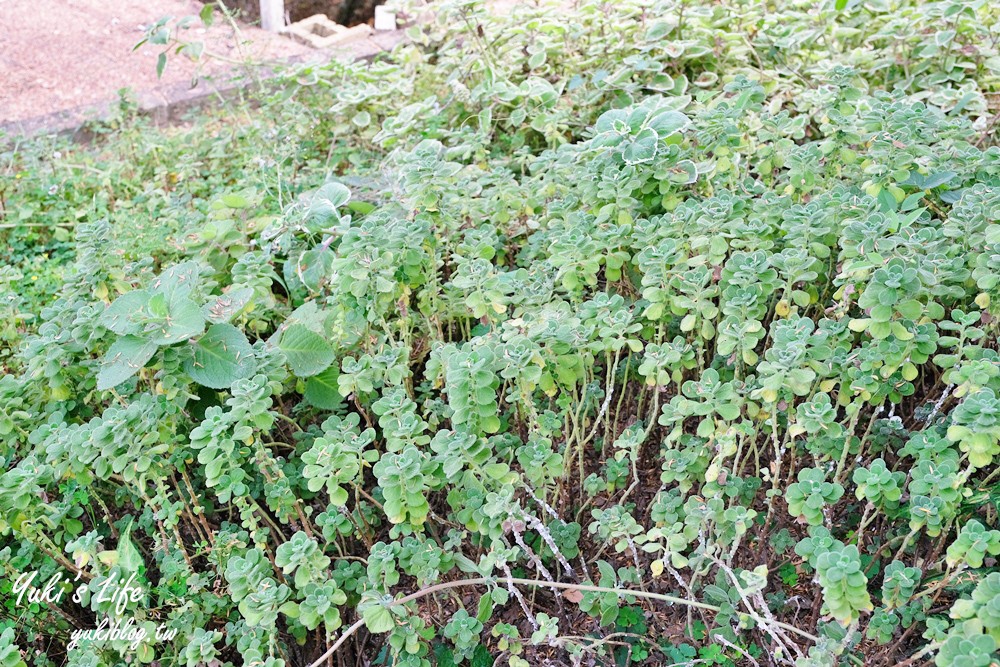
[615,332]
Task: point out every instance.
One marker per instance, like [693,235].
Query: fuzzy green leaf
[306,351]
[321,389]
[221,357]
[123,360]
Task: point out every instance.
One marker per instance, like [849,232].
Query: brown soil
[62,54]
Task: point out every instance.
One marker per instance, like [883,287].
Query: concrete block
[320,32]
[384,19]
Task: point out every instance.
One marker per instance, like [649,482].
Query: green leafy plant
[464,631]
[543,312]
[845,587]
[899,584]
[973,544]
[302,556]
[878,484]
[808,496]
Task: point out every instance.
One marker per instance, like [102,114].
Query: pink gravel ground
[57,55]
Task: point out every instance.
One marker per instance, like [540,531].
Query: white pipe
[272,15]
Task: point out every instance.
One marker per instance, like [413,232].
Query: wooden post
[272,15]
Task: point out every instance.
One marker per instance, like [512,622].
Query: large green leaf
[221,357]
[321,389]
[613,120]
[178,280]
[129,557]
[119,315]
[234,200]
[378,618]
[314,266]
[124,359]
[183,319]
[227,306]
[306,351]
[325,202]
[643,147]
[666,122]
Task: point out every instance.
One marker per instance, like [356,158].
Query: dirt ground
[57,55]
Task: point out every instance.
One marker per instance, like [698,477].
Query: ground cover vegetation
[619,333]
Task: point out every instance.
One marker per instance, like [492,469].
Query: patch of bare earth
[57,55]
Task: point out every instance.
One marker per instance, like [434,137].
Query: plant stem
[483,581]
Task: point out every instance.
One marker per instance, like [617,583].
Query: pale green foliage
[845,587]
[974,543]
[578,294]
[808,496]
